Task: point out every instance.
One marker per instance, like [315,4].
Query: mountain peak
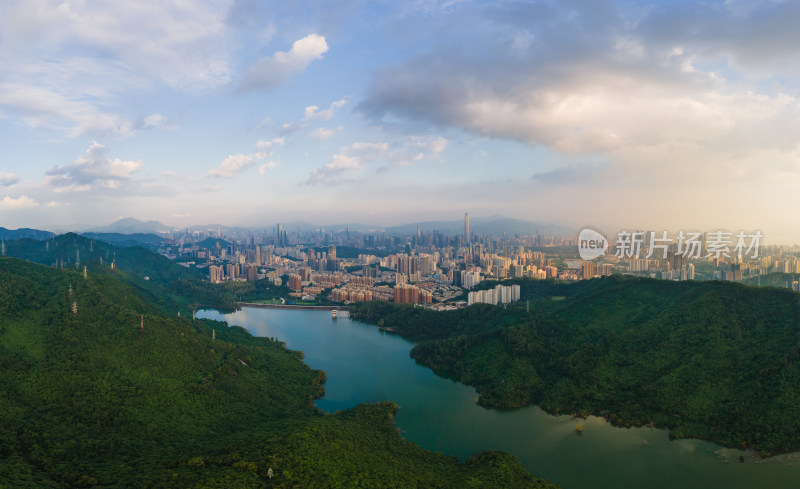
[130,225]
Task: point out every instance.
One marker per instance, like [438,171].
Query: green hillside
[90,399]
[158,279]
[777,279]
[145,240]
[712,360]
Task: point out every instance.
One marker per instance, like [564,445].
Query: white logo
[591,244]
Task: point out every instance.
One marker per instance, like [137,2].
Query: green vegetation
[146,240]
[712,360]
[213,244]
[781,280]
[157,279]
[94,400]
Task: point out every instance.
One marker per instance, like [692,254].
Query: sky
[658,115]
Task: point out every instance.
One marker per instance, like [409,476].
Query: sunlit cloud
[265,167]
[235,164]
[64,64]
[8,179]
[21,202]
[348,161]
[94,170]
[232,165]
[273,71]
[321,134]
[313,112]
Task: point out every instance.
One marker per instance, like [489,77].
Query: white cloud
[174,41]
[21,202]
[8,179]
[66,189]
[312,112]
[352,159]
[433,144]
[264,148]
[273,71]
[64,64]
[92,171]
[349,160]
[235,164]
[264,168]
[101,124]
[321,134]
[45,108]
[676,85]
[289,128]
[157,121]
[232,165]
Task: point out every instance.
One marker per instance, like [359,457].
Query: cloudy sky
[654,114]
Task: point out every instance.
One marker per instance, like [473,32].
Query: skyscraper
[466,226]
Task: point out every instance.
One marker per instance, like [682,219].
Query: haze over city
[661,115]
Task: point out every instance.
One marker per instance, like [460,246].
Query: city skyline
[649,115]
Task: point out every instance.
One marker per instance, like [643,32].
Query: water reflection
[366,365]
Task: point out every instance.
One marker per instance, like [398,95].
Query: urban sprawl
[434,269]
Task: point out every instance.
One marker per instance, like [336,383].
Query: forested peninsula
[712,360]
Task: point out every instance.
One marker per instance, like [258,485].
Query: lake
[366,365]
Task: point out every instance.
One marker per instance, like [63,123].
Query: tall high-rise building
[466,226]
[215,274]
[295,282]
[588,269]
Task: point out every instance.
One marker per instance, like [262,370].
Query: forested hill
[155,277]
[75,251]
[7,234]
[100,388]
[712,360]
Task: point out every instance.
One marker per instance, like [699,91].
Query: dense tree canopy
[101,387]
[712,360]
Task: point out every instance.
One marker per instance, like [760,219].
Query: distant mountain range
[130,225]
[493,225]
[10,234]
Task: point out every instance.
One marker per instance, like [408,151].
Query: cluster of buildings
[418,275]
[502,294]
[433,267]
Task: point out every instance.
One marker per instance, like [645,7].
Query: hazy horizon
[650,115]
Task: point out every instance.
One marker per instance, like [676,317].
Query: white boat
[335,313]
